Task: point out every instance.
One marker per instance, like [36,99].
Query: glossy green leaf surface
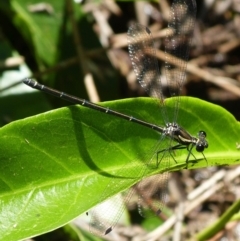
[54,166]
[41,29]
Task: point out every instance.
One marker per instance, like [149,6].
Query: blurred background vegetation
[81,49]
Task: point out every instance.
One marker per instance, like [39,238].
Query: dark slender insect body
[172,130]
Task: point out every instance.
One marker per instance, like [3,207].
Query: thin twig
[88,78]
[221,81]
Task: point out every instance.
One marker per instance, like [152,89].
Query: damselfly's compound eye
[202,143]
[202,134]
[200,148]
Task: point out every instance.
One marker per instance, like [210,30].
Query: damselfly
[143,57]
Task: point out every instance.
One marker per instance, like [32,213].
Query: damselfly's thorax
[180,135]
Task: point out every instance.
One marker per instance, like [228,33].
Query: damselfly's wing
[152,193]
[104,217]
[144,60]
[142,53]
[143,56]
[177,44]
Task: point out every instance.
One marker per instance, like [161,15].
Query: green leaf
[40,29]
[54,166]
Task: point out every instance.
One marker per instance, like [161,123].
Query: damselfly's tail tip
[26,81]
[29,82]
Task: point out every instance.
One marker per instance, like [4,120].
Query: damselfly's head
[201,143]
